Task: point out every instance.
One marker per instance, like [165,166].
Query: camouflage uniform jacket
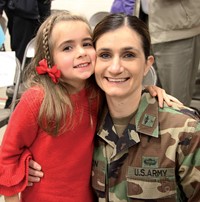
[156,159]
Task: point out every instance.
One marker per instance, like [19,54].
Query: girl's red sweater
[65,159]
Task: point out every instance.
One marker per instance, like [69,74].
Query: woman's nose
[115,66]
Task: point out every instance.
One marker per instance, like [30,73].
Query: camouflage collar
[145,122]
[147,116]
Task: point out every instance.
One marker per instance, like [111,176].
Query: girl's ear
[150,61]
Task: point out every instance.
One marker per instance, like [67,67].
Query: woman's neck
[123,106]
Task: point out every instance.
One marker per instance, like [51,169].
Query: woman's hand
[35,172]
[162,96]
[14,198]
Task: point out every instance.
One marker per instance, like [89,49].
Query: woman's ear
[150,61]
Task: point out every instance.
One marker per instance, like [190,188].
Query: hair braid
[46,34]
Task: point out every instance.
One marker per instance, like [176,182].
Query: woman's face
[73,52]
[121,65]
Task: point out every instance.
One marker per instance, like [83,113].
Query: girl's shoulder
[33,92]
[33,95]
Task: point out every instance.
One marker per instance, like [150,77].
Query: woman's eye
[129,55]
[104,55]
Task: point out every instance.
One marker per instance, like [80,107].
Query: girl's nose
[81,52]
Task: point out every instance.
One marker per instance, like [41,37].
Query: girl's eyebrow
[87,39]
[73,41]
[61,45]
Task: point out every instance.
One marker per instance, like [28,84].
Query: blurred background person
[123,6]
[175,33]
[23,23]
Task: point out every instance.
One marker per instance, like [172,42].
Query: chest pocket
[98,175]
[149,183]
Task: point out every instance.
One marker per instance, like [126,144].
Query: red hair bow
[53,72]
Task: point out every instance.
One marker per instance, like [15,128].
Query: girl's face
[73,52]
[121,64]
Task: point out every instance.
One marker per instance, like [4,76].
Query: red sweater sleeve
[19,136]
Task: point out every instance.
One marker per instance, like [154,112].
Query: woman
[142,152]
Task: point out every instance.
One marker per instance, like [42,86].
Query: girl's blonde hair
[56,105]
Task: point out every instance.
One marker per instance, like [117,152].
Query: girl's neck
[74,90]
[123,106]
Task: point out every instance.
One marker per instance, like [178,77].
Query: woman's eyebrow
[129,48]
[103,49]
[122,49]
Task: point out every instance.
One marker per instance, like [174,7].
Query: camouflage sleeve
[189,162]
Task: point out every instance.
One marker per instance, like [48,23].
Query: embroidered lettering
[136,172]
[150,173]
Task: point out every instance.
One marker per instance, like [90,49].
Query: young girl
[56,118]
[54,122]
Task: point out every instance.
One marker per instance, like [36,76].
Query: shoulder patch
[148,120]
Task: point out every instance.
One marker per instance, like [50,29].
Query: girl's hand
[162,96]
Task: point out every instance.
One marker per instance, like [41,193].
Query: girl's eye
[67,48]
[88,44]
[104,55]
